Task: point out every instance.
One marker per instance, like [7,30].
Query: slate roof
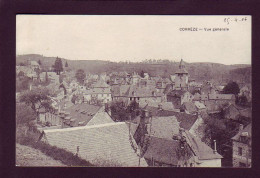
[190,107]
[97,91]
[203,151]
[199,105]
[246,112]
[120,90]
[100,84]
[165,105]
[177,93]
[82,112]
[247,129]
[163,150]
[34,63]
[109,142]
[221,96]
[181,71]
[135,91]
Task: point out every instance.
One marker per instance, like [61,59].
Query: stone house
[242,147]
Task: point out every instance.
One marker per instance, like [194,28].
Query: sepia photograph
[133,91]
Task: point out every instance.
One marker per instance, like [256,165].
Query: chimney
[181,130]
[215,147]
[160,106]
[241,127]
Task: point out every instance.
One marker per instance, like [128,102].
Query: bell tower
[181,77]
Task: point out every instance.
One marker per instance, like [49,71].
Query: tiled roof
[107,142]
[163,150]
[201,150]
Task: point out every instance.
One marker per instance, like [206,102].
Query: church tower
[181,77]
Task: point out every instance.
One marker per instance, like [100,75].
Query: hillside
[198,71]
[27,156]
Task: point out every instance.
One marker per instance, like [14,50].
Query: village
[134,119]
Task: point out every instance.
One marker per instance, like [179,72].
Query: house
[167,137]
[178,97]
[135,79]
[83,114]
[98,144]
[128,93]
[242,147]
[34,65]
[100,92]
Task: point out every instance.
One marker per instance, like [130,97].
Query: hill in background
[220,73]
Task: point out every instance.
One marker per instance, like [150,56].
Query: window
[239,151]
[242,164]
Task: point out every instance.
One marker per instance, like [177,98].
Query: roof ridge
[84,127]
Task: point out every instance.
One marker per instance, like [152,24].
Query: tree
[58,66]
[66,64]
[142,74]
[242,100]
[39,62]
[21,74]
[24,114]
[25,118]
[231,88]
[80,76]
[38,99]
[73,99]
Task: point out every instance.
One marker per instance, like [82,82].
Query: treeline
[161,67]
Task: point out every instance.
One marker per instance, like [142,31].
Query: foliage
[38,99]
[142,74]
[120,112]
[231,88]
[24,115]
[39,62]
[21,74]
[242,100]
[22,83]
[221,130]
[73,99]
[66,64]
[80,76]
[58,66]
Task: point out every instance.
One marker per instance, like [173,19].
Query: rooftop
[109,142]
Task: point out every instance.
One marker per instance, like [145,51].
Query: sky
[135,37]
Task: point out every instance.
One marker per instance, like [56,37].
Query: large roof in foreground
[104,142]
